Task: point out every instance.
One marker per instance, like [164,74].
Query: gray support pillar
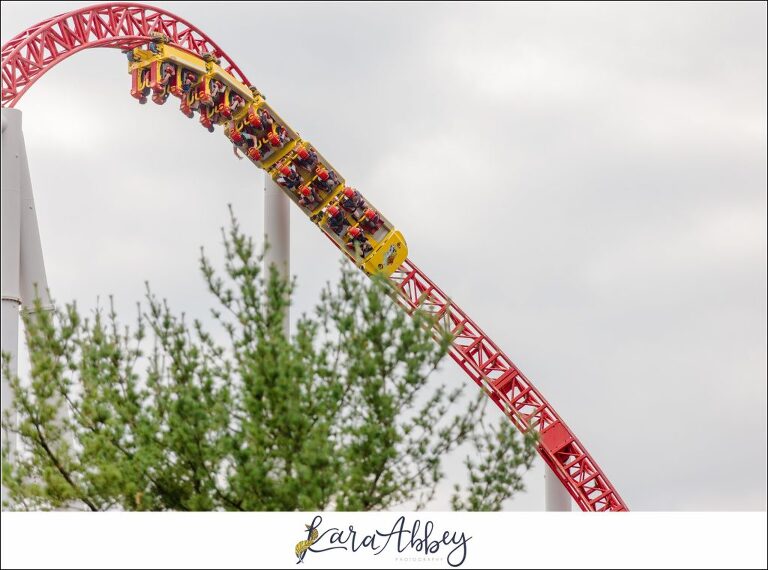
[556,497]
[21,256]
[277,232]
[33,282]
[10,249]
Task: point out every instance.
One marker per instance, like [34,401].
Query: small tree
[169,416]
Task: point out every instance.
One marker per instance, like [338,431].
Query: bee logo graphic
[303,546]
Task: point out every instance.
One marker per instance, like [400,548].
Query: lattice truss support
[510,390]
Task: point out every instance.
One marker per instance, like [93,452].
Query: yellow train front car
[254,128]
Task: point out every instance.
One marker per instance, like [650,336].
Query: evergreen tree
[169,416]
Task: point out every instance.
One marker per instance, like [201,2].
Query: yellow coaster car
[254,128]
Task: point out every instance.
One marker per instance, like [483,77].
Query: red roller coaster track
[30,54]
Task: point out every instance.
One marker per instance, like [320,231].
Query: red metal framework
[29,55]
[34,51]
[508,387]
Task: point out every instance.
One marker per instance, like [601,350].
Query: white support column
[277,233]
[10,248]
[21,256]
[33,282]
[556,497]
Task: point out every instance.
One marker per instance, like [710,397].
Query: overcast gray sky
[588,181]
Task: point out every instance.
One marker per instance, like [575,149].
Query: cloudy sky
[587,181]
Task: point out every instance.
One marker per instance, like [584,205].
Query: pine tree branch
[63,472]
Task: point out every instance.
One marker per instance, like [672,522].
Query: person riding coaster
[358,239]
[265,149]
[277,136]
[144,76]
[217,91]
[289,177]
[326,179]
[189,103]
[265,120]
[166,80]
[189,81]
[336,220]
[237,104]
[308,197]
[306,157]
[371,221]
[254,152]
[238,138]
[253,118]
[161,87]
[245,139]
[223,108]
[221,112]
[352,200]
[206,118]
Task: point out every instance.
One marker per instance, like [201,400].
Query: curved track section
[34,51]
[492,370]
[29,55]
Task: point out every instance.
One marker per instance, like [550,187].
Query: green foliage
[169,416]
